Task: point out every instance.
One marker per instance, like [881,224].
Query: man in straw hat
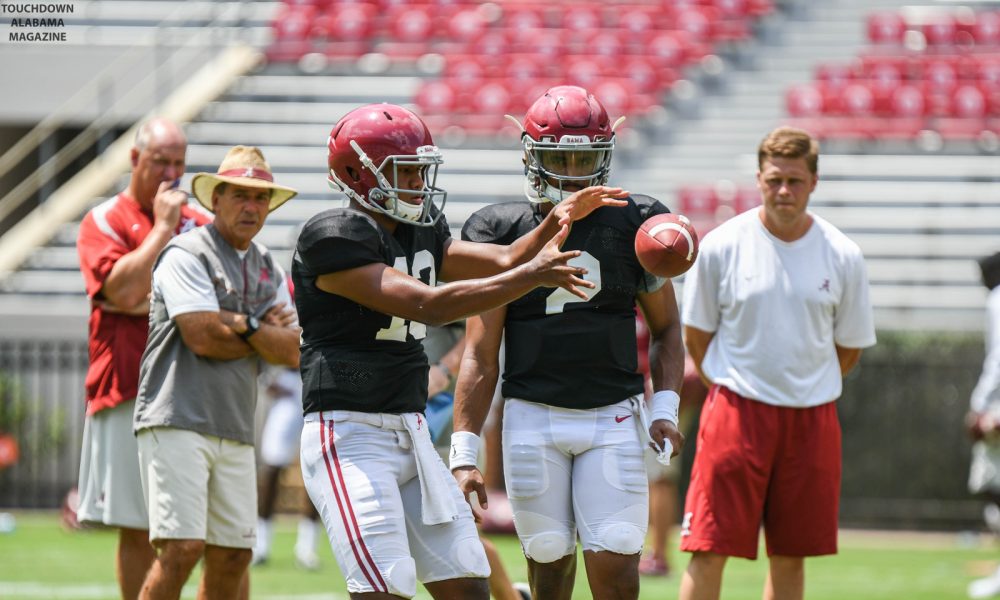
[118,242]
[220,305]
[365,286]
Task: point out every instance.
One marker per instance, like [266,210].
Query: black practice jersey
[561,350]
[355,358]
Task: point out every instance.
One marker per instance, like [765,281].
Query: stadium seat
[638,20]
[645,77]
[493,42]
[466,72]
[435,97]
[804,100]
[886,28]
[697,201]
[523,68]
[698,22]
[344,31]
[671,49]
[986,29]
[466,25]
[410,28]
[940,30]
[587,71]
[522,18]
[616,97]
[835,75]
[541,42]
[582,18]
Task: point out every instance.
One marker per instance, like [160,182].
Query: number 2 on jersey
[399,327]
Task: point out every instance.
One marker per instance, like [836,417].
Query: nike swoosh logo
[620,419]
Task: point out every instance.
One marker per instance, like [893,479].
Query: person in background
[663,479]
[279,446]
[983,422]
[776,312]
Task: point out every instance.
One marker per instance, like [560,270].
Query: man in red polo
[118,241]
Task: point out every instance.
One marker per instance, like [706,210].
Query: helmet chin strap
[405,210]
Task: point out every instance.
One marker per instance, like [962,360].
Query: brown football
[666,245]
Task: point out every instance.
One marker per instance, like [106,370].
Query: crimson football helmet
[367,147]
[568,140]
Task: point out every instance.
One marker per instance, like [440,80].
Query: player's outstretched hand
[661,429]
[551,266]
[586,201]
[470,480]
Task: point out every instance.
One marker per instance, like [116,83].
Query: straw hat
[244,165]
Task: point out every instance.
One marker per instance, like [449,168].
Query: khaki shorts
[199,487]
[109,485]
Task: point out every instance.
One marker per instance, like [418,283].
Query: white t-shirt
[777,309]
[186,286]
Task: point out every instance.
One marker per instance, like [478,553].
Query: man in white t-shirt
[776,311]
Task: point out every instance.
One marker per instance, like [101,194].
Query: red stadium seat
[522,18]
[669,49]
[886,28]
[697,22]
[493,42]
[615,95]
[986,29]
[697,201]
[491,99]
[908,101]
[435,98]
[606,43]
[523,68]
[637,20]
[466,25]
[645,77]
[804,100]
[542,42]
[345,31]
[293,23]
[968,102]
[411,24]
[581,18]
[587,71]
[940,74]
[466,72]
[836,75]
[940,30]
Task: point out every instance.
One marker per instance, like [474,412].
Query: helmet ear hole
[354,175]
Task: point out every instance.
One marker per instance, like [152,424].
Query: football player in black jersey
[575,426]
[365,286]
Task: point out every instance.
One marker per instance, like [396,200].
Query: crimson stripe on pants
[350,521]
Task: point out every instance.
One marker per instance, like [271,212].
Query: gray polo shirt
[180,389]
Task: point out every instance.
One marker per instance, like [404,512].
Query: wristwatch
[252,326]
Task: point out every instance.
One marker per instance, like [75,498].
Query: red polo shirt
[111,230]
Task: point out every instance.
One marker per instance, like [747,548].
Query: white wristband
[464,450]
[663,405]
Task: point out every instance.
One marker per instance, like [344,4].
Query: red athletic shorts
[762,464]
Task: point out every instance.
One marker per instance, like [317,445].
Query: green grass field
[41,560]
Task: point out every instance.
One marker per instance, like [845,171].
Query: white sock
[264,534]
[306,542]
